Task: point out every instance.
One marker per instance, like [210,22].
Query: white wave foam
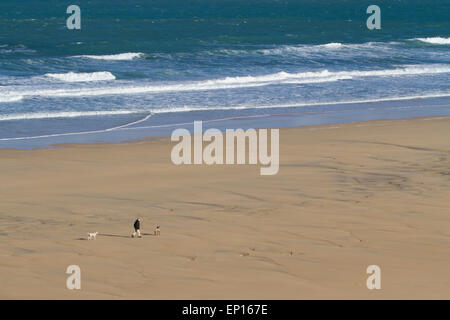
[325,79]
[332,45]
[7,49]
[73,114]
[216,84]
[311,49]
[405,71]
[65,114]
[434,40]
[314,76]
[120,56]
[300,104]
[10,98]
[236,82]
[279,77]
[82,77]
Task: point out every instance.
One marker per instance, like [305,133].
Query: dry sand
[346,197]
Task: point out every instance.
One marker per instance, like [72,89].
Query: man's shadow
[113,235]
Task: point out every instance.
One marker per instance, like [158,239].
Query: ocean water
[142,68]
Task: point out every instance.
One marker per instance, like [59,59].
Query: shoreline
[126,128]
[189,125]
[365,193]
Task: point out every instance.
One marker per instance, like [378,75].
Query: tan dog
[157,231]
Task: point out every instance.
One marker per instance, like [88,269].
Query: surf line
[126,127]
[79,133]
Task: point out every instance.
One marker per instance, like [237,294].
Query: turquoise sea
[143,68]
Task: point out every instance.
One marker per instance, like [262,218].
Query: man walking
[137,228]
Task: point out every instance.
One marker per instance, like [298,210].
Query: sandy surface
[346,197]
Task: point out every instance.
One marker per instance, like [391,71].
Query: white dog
[157,231]
[92,235]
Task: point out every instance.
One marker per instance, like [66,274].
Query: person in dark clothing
[137,228]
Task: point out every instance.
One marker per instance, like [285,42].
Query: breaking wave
[120,56]
[82,77]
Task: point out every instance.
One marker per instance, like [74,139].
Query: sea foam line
[305,48]
[77,133]
[64,114]
[10,98]
[295,105]
[125,127]
[114,57]
[434,40]
[237,82]
[73,114]
[82,77]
